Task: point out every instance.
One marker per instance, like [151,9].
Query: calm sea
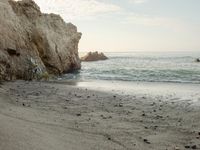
[179,67]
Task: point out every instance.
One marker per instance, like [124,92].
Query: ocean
[174,67]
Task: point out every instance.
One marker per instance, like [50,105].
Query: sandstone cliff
[34,43]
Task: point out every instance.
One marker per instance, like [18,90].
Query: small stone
[146,141]
[194,147]
[187,146]
[155,127]
[109,138]
[144,114]
[79,114]
[120,105]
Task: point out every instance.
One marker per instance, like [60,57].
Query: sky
[131,25]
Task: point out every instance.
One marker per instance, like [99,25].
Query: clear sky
[132,25]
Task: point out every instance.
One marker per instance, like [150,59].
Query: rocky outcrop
[94,56]
[35,43]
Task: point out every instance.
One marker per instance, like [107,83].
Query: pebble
[79,114]
[155,127]
[120,105]
[187,146]
[146,141]
[65,107]
[109,138]
[194,147]
[143,114]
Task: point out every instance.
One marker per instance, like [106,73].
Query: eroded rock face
[94,56]
[29,38]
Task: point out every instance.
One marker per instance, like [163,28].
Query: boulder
[94,56]
[27,35]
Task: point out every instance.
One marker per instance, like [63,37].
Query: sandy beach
[59,116]
[99,75]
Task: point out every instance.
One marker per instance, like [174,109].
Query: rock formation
[34,43]
[94,56]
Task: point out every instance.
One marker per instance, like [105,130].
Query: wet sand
[56,116]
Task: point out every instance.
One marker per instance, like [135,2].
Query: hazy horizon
[138,51]
[131,25]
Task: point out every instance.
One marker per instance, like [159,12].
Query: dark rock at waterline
[198,60]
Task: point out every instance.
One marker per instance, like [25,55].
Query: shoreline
[180,91]
[39,115]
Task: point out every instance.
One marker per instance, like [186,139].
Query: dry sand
[53,116]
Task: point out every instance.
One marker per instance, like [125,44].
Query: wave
[148,68]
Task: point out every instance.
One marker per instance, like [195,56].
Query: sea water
[177,67]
